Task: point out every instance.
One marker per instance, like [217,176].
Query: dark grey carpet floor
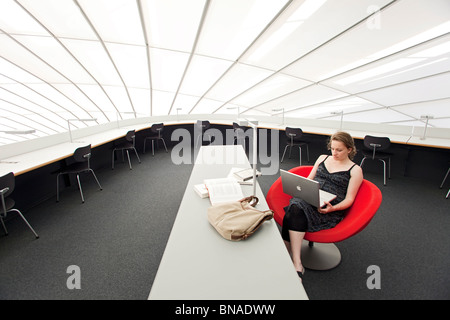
[118,237]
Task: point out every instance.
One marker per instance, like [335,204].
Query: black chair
[7,185]
[156,130]
[82,164]
[129,144]
[295,138]
[376,148]
[202,126]
[443,181]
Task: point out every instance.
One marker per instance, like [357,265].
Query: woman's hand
[326,209]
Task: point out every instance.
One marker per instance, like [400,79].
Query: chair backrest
[157,128]
[381,143]
[130,135]
[294,133]
[8,181]
[203,124]
[82,154]
[357,217]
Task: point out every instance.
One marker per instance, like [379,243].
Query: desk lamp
[427,117]
[280,110]
[254,125]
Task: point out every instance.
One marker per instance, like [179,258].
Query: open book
[223,190]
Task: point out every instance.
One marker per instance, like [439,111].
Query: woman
[337,174]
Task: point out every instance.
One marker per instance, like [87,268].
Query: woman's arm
[356,178]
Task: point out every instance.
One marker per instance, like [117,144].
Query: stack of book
[226,189]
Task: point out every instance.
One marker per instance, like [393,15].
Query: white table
[198,264]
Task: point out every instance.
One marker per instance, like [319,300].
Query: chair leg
[445,178]
[145,142]
[79,186]
[448,193]
[129,161]
[153,147]
[384,170]
[285,148]
[165,147]
[362,162]
[95,177]
[300,148]
[29,226]
[3,224]
[135,151]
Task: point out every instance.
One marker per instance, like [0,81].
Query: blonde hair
[346,139]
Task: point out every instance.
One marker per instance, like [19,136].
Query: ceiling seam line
[50,66]
[192,53]
[237,61]
[147,49]
[38,93]
[49,84]
[50,111]
[110,59]
[313,50]
[31,120]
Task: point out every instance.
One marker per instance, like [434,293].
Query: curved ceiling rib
[112,63]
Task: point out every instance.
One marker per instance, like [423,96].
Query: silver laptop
[304,188]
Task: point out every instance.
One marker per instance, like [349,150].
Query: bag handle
[250,199]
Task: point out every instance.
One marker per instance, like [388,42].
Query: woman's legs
[295,225]
[296,248]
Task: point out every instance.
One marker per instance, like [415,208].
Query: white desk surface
[32,160]
[198,264]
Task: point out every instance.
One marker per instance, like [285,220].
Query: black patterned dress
[336,183]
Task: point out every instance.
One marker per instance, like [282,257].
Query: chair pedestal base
[320,256]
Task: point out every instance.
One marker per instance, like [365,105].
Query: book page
[223,190]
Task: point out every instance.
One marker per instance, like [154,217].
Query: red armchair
[321,253]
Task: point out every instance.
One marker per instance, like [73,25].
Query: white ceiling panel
[206,106]
[328,110]
[95,59]
[419,62]
[271,88]
[305,26]
[376,60]
[63,18]
[307,97]
[167,69]
[382,115]
[232,25]
[237,80]
[202,73]
[115,20]
[438,109]
[172,24]
[426,89]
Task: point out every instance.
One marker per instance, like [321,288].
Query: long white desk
[35,159]
[29,161]
[198,264]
